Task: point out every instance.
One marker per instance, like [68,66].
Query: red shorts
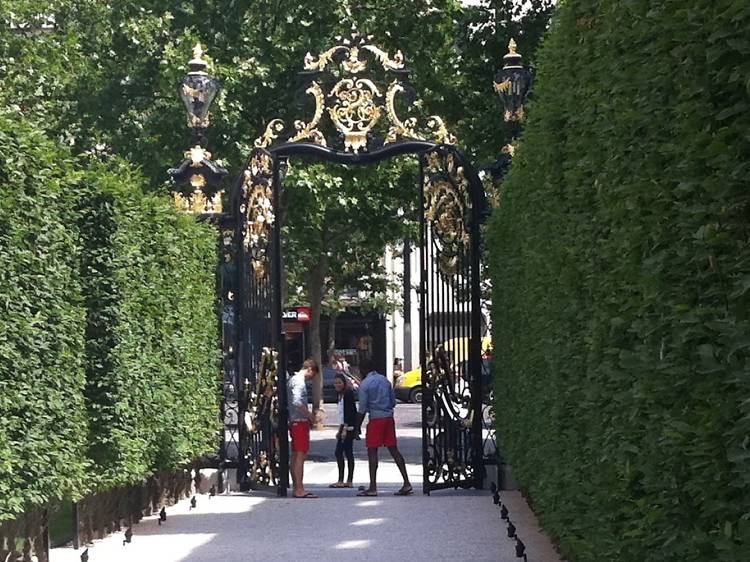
[381,432]
[300,431]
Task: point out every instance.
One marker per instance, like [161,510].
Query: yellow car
[409,385]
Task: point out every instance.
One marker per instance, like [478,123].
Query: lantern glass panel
[197,91]
[513,85]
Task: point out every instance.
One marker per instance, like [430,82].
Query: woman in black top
[347,430]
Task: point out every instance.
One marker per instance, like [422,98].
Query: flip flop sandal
[308,495]
[367,494]
[337,485]
[404,492]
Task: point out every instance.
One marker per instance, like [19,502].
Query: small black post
[76,526]
[44,556]
[220,478]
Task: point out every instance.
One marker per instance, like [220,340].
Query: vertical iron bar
[221,291]
[423,323]
[240,341]
[407,304]
[280,337]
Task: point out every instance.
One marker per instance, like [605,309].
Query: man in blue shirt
[376,398]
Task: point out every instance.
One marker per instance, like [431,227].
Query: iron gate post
[279,337]
[422,321]
[475,350]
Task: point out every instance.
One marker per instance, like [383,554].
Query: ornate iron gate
[263,444]
[342,83]
[451,323]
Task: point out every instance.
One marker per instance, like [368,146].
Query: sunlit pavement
[448,525]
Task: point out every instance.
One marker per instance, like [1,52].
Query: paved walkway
[448,525]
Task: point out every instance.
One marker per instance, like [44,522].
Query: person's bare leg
[302,457]
[398,458]
[293,469]
[372,459]
[299,489]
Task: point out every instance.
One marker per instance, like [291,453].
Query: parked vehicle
[329,391]
[409,386]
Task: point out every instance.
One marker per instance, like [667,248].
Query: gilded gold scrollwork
[355,104]
[258,210]
[265,387]
[273,129]
[353,61]
[395,63]
[504,86]
[398,128]
[446,191]
[355,111]
[310,130]
[441,133]
[323,60]
[262,420]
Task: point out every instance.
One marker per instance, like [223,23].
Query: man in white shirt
[299,425]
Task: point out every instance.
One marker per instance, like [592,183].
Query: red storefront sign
[299,314]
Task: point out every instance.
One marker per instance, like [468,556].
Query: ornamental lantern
[513,84]
[197,90]
[196,181]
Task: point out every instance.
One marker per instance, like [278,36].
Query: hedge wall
[621,275]
[42,412]
[108,328]
[152,342]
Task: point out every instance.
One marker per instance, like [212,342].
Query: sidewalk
[447,525]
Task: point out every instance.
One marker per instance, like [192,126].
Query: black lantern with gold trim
[197,179]
[198,90]
[513,84]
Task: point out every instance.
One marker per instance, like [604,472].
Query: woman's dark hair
[342,378]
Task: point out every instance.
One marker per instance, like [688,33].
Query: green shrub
[152,334]
[109,345]
[620,266]
[42,413]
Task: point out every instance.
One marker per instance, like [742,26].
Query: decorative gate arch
[359,93]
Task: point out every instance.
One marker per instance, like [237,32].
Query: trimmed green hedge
[42,413]
[152,334]
[621,274]
[109,351]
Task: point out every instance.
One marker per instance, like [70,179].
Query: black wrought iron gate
[450,322]
[258,342]
[451,207]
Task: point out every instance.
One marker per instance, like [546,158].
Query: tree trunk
[331,335]
[315,290]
